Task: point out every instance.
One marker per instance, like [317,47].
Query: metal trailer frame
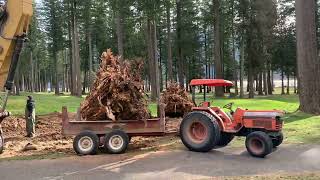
[149,127]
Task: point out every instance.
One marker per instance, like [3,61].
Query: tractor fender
[218,118]
[214,114]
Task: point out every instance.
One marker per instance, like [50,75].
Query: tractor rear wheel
[199,131]
[278,140]
[225,139]
[1,143]
[259,144]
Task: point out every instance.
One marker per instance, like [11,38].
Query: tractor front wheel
[278,140]
[259,144]
[199,131]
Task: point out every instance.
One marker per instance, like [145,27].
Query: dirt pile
[49,138]
[117,92]
[177,100]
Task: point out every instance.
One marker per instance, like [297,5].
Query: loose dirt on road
[50,140]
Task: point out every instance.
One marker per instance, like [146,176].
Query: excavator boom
[14,23]
[14,26]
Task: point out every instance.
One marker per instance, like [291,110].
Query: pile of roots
[117,93]
[176,100]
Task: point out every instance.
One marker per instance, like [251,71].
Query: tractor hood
[263,114]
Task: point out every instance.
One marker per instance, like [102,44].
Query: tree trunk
[17,81]
[288,84]
[73,59]
[260,88]
[179,39]
[56,75]
[242,68]
[265,86]
[217,47]
[32,72]
[153,59]
[78,83]
[282,82]
[295,84]
[269,80]
[235,67]
[251,81]
[169,65]
[119,24]
[308,61]
[91,73]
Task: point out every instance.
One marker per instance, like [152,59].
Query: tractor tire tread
[213,129]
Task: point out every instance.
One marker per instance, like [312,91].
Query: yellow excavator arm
[14,26]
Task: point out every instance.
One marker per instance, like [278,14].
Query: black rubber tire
[264,141]
[124,137]
[213,131]
[95,143]
[279,139]
[225,139]
[1,143]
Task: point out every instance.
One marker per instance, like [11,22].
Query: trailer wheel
[1,144]
[259,144]
[225,139]
[278,140]
[116,142]
[199,131]
[86,143]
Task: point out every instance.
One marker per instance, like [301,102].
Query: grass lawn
[299,127]
[45,103]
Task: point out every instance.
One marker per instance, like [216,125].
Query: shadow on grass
[282,98]
[296,116]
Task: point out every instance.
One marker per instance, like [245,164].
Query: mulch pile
[177,100]
[117,93]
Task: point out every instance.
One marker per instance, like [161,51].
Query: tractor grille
[279,123]
[262,123]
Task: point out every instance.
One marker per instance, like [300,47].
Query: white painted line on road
[119,164]
[114,167]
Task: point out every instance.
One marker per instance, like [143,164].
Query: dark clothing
[30,118]
[30,106]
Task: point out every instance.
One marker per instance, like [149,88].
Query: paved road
[166,165]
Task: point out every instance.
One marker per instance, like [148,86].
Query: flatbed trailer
[113,136]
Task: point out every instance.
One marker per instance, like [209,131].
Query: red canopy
[210,82]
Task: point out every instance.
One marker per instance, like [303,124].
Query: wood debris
[177,101]
[117,93]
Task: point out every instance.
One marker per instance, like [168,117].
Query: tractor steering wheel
[229,106]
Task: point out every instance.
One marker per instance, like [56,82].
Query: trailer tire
[199,131]
[278,140]
[86,143]
[225,139]
[116,142]
[1,144]
[259,144]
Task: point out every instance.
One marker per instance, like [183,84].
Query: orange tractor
[209,127]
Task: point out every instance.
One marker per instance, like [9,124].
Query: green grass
[45,103]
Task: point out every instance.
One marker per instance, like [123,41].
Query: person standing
[30,117]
